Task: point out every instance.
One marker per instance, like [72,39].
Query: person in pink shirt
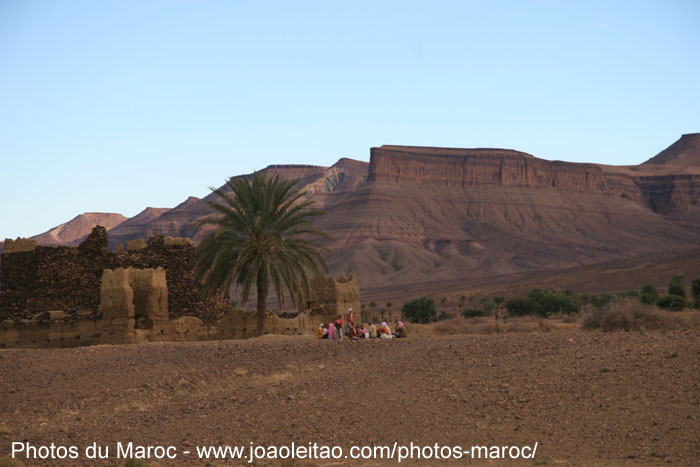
[349,320]
[331,331]
[339,327]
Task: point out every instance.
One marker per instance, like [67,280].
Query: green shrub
[475,312]
[695,289]
[487,306]
[628,294]
[649,295]
[602,300]
[420,310]
[521,307]
[583,299]
[547,303]
[443,316]
[671,302]
[677,286]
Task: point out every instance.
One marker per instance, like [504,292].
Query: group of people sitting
[340,329]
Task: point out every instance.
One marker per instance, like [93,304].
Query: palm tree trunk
[262,298]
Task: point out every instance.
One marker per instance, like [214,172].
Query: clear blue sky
[113,106]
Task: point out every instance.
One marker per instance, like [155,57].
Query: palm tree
[443,300]
[372,306]
[265,238]
[462,304]
[391,314]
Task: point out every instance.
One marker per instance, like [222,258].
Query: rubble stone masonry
[65,278]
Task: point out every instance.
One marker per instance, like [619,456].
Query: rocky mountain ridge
[420,213]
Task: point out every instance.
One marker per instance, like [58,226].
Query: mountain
[73,231]
[429,214]
[135,227]
[683,153]
[416,216]
[324,184]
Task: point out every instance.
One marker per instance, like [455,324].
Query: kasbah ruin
[74,296]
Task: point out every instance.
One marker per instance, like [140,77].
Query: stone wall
[68,278]
[66,332]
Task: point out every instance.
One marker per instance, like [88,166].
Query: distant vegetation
[543,303]
[630,310]
[605,311]
[632,315]
[420,310]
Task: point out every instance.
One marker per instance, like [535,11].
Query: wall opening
[141,318]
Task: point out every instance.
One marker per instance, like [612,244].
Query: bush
[649,294]
[677,286]
[487,306]
[602,300]
[630,315]
[521,307]
[547,303]
[671,302]
[695,288]
[420,310]
[475,312]
[628,294]
[607,319]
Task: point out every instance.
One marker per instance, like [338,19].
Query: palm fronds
[265,237]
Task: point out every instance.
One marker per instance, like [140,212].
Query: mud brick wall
[184,295]
[68,278]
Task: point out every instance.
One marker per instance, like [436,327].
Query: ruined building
[39,278]
[67,296]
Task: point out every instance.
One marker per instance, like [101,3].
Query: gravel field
[586,398]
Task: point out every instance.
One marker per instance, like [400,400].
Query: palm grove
[265,238]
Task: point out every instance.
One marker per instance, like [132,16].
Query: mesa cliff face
[665,191]
[475,167]
[671,194]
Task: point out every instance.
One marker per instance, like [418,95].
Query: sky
[113,106]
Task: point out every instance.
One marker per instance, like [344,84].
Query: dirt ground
[586,398]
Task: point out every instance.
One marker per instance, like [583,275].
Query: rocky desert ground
[586,398]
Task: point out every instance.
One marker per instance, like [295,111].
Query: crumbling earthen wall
[20,244]
[333,296]
[69,278]
[132,299]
